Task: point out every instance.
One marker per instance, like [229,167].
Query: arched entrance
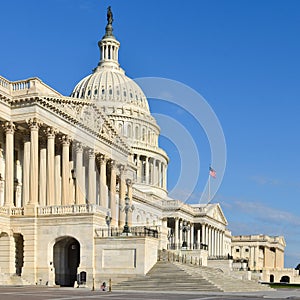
[285,279]
[271,278]
[66,258]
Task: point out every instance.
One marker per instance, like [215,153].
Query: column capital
[9,127]
[91,153]
[51,132]
[78,147]
[121,169]
[112,164]
[102,158]
[34,123]
[65,140]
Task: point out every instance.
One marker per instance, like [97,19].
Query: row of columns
[47,178]
[151,171]
[214,238]
[207,234]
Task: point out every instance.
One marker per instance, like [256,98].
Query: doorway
[66,259]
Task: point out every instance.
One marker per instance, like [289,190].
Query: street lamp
[185,228]
[127,208]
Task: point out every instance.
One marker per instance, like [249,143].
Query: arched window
[144,135]
[137,134]
[120,127]
[129,130]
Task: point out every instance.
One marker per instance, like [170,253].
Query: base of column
[30,210]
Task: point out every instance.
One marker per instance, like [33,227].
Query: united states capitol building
[83,187]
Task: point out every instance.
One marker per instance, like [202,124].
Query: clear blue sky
[241,56]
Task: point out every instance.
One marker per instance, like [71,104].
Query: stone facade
[259,251]
[67,164]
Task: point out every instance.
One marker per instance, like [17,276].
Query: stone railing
[134,231]
[17,211]
[12,211]
[4,83]
[4,210]
[31,85]
[171,256]
[70,209]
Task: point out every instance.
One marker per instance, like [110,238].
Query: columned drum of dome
[124,102]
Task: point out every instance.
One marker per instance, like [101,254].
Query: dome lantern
[109,46]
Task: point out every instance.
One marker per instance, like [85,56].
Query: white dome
[112,87]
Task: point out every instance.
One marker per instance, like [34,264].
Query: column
[164,176]
[65,140]
[192,236]
[112,193]
[203,241]
[43,174]
[256,258]
[198,239]
[139,169]
[103,195]
[176,233]
[211,239]
[57,179]
[154,174]
[147,170]
[122,194]
[80,188]
[159,174]
[92,178]
[180,234]
[50,166]
[26,169]
[129,193]
[34,125]
[206,235]
[9,129]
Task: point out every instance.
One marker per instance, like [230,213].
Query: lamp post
[185,228]
[126,209]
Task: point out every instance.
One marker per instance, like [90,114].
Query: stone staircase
[166,276]
[224,281]
[174,276]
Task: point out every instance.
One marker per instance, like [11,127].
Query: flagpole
[208,188]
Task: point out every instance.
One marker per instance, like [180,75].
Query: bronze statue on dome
[109,16]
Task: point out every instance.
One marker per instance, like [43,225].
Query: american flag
[212,172]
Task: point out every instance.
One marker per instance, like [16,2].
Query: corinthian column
[34,125]
[103,196]
[122,194]
[79,174]
[65,169]
[9,128]
[112,193]
[50,166]
[26,170]
[43,174]
[92,177]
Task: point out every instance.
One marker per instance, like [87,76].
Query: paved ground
[43,293]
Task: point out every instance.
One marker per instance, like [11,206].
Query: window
[237,250]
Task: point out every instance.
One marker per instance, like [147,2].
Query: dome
[110,85]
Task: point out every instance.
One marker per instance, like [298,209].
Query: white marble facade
[66,165]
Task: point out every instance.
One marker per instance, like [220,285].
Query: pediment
[89,116]
[216,213]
